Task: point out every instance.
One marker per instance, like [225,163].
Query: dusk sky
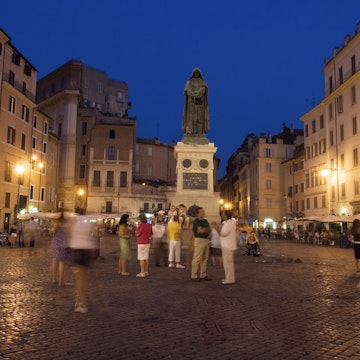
[262,59]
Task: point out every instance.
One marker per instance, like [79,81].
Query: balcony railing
[19,86]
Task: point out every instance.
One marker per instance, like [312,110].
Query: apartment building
[89,114]
[257,192]
[24,138]
[332,139]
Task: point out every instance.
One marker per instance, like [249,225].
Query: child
[215,247]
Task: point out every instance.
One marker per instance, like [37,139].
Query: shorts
[143,251]
[81,257]
[215,251]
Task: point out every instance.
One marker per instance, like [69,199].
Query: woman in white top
[228,246]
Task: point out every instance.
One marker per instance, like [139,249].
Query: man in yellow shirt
[173,230]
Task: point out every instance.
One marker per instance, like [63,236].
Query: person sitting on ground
[252,247]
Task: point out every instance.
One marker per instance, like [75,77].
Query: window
[330,111]
[31,195]
[100,87]
[44,147]
[149,151]
[331,135]
[306,130]
[7,200]
[84,128]
[11,135]
[11,78]
[46,127]
[24,87]
[83,149]
[356,187]
[342,161]
[8,171]
[112,134]
[343,192]
[110,179]
[35,121]
[355,157]
[315,202]
[42,194]
[314,126]
[321,121]
[149,171]
[307,203]
[111,153]
[86,82]
[341,75]
[267,152]
[1,46]
[12,104]
[353,95]
[354,125]
[146,207]
[268,203]
[16,58]
[96,179]
[341,132]
[323,201]
[82,172]
[339,102]
[123,178]
[25,113]
[23,141]
[59,129]
[27,69]
[33,142]
[353,65]
[119,96]
[108,206]
[330,84]
[268,167]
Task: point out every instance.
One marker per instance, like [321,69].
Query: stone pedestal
[195,178]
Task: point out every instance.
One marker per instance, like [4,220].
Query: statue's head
[196,73]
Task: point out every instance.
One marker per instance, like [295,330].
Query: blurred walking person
[59,249]
[228,246]
[82,243]
[159,243]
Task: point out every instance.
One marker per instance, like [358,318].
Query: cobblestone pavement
[296,301]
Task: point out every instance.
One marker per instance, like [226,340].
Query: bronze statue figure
[196,113]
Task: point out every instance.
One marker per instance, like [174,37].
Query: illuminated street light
[81,192]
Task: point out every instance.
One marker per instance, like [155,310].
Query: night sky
[262,59]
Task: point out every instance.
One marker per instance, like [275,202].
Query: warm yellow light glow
[33,158]
[41,165]
[20,169]
[221,201]
[81,192]
[325,172]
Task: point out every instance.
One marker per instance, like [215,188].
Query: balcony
[19,86]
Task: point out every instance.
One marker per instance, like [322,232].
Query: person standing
[201,230]
[159,243]
[355,232]
[228,246]
[173,230]
[215,244]
[125,244]
[143,233]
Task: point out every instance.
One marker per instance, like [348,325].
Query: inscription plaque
[195,181]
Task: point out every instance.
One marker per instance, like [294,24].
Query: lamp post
[20,169]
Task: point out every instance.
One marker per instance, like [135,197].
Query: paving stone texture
[278,309]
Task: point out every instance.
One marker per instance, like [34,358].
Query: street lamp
[81,193]
[20,169]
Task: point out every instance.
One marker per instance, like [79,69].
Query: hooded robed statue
[195,120]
